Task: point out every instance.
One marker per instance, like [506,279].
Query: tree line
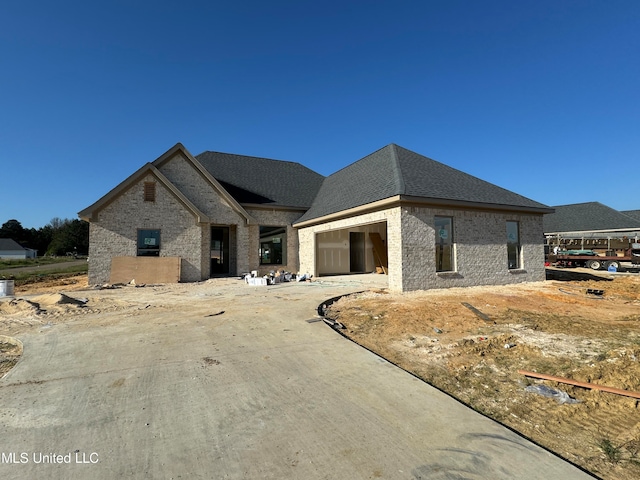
[58,237]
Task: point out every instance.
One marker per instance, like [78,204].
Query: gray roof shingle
[632,213]
[8,244]
[394,170]
[584,217]
[263,181]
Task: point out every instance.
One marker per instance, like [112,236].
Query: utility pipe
[592,386]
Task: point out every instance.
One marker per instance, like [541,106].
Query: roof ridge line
[255,157]
[397,171]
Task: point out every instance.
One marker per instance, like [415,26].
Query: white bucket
[6,288]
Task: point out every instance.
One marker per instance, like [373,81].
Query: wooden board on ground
[145,270]
[379,252]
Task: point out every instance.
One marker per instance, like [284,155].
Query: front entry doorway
[219,251]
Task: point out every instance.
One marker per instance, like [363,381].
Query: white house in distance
[11,250]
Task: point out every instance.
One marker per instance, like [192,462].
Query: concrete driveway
[159,387]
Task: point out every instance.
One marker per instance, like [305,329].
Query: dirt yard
[16,315]
[553,327]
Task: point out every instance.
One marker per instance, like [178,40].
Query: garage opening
[357,249]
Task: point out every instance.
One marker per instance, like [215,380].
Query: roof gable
[395,171]
[590,216]
[262,181]
[89,213]
[217,186]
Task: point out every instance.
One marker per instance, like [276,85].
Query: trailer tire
[613,263]
[594,264]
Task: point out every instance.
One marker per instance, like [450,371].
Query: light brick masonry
[115,231]
[480,245]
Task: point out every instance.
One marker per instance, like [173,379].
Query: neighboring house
[632,213]
[12,250]
[591,225]
[427,224]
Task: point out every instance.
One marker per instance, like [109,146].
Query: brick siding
[480,247]
[115,231]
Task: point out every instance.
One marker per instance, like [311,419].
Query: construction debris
[591,386]
[559,395]
[379,253]
[481,315]
[333,324]
[272,278]
[593,291]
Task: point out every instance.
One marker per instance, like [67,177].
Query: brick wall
[208,200]
[273,218]
[479,242]
[199,191]
[114,232]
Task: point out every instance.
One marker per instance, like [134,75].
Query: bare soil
[551,327]
[18,314]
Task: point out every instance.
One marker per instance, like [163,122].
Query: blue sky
[540,97]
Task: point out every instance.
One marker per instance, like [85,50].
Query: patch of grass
[601,357]
[611,451]
[615,454]
[28,278]
[6,264]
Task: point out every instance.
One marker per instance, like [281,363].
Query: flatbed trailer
[596,262]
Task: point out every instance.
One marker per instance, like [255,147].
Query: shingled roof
[394,170]
[632,213]
[255,180]
[585,217]
[9,244]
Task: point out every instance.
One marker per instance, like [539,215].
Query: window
[273,245]
[514,249]
[149,191]
[148,243]
[444,244]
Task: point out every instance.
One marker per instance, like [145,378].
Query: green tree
[14,230]
[41,238]
[68,237]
